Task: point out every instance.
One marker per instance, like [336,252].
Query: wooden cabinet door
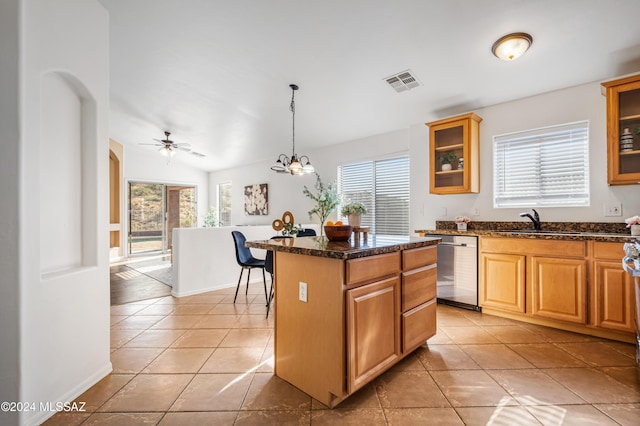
[459,136]
[502,281]
[614,306]
[559,288]
[623,112]
[373,330]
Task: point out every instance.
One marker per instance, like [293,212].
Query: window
[224,204]
[546,167]
[383,187]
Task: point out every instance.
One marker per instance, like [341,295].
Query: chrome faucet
[535,219]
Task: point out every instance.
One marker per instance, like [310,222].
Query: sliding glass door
[154,210]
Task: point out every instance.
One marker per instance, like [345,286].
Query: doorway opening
[154,210]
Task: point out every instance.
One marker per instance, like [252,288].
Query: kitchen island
[345,312]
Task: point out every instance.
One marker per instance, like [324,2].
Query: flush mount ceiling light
[296,165]
[512,46]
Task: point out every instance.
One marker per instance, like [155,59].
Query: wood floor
[130,284]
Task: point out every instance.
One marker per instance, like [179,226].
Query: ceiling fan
[168,147]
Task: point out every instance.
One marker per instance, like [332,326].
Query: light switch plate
[302,291]
[613,209]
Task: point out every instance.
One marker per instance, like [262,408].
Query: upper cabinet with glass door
[623,130]
[454,152]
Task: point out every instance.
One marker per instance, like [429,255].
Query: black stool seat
[245,259]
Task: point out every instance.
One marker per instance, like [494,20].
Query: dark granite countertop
[352,249]
[584,231]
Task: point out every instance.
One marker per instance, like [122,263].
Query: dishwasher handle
[454,244]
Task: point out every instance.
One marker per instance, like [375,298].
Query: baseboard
[200,290]
[218,287]
[41,416]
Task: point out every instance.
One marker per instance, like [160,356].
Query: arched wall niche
[68,174]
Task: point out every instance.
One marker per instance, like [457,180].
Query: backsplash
[587,227]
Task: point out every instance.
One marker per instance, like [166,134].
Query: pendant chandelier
[296,165]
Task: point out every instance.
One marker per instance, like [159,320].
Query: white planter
[446,167]
[462,226]
[354,219]
[635,230]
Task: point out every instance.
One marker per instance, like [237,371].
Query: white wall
[584,102]
[64,298]
[285,191]
[205,258]
[9,203]
[142,165]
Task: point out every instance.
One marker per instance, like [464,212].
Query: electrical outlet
[613,209]
[443,212]
[302,291]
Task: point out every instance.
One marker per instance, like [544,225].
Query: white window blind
[383,187]
[224,204]
[546,167]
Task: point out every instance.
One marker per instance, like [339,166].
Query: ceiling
[216,73]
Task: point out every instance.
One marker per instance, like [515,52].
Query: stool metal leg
[246,291]
[270,296]
[264,281]
[238,286]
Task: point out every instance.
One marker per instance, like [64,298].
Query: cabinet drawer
[612,251]
[418,286]
[416,258]
[372,267]
[530,246]
[418,325]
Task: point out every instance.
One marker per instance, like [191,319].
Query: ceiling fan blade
[151,144]
[183,148]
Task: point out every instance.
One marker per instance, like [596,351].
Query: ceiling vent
[197,154]
[402,81]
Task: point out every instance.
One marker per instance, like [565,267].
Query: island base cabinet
[559,288]
[309,336]
[348,329]
[373,330]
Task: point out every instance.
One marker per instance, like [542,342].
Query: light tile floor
[201,360]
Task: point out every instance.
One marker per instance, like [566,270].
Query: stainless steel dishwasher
[458,271]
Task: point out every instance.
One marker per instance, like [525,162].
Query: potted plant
[633,223]
[211,218]
[446,160]
[461,222]
[326,199]
[290,229]
[354,211]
